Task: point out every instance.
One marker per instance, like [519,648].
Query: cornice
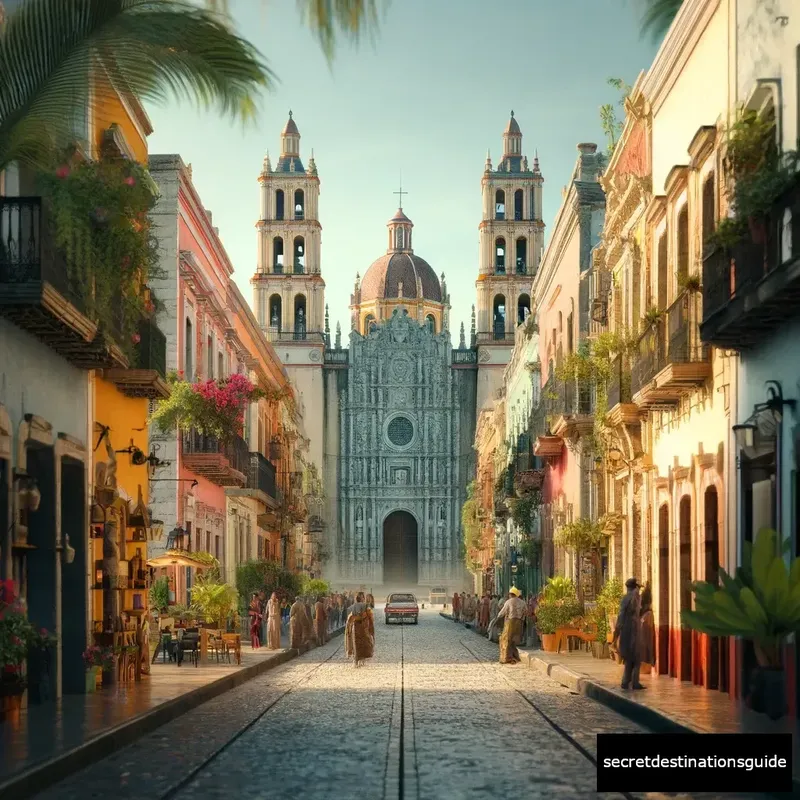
[688,27]
[655,208]
[702,145]
[676,180]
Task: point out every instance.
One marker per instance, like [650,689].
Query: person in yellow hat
[514,612]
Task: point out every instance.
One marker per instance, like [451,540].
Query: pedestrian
[320,620]
[627,630]
[370,601]
[483,614]
[647,642]
[456,607]
[308,634]
[262,602]
[513,612]
[274,622]
[359,637]
[255,621]
[297,624]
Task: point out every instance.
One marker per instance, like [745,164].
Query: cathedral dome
[382,280]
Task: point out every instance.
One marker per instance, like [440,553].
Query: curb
[39,777]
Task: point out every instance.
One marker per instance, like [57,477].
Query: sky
[426,98]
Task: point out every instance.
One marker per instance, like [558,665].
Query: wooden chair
[578,629]
[216,645]
[233,644]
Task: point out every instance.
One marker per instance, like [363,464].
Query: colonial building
[511,245]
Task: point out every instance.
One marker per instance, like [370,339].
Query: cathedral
[391,416]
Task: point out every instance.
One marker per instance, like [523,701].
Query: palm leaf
[658,16]
[59,58]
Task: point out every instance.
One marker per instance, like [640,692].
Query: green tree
[315,587]
[153,50]
[215,601]
[259,575]
[658,16]
[609,122]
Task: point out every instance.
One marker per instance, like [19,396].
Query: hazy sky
[428,97]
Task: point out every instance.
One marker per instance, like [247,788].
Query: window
[300,316]
[500,204]
[220,365]
[518,205]
[277,255]
[279,209]
[188,345]
[499,316]
[430,323]
[210,357]
[521,255]
[400,431]
[709,211]
[369,324]
[523,308]
[661,267]
[299,204]
[683,245]
[299,255]
[500,255]
[275,311]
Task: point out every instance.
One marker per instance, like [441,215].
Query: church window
[500,204]
[522,255]
[277,255]
[499,317]
[369,324]
[299,255]
[300,316]
[400,431]
[279,210]
[523,308]
[275,312]
[430,322]
[299,204]
[518,205]
[500,255]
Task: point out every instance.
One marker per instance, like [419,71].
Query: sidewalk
[51,741]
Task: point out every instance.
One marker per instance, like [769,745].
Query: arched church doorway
[400,550]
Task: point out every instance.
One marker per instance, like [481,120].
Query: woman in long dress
[274,624]
[359,634]
[255,622]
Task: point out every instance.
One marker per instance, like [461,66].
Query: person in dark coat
[628,632]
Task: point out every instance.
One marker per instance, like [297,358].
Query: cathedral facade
[396,407]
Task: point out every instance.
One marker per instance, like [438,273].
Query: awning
[176,560]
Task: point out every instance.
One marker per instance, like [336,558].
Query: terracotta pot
[548,642]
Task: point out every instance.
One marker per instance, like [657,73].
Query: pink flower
[136,338]
[63,172]
[130,180]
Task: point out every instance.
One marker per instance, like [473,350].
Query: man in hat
[627,631]
[514,612]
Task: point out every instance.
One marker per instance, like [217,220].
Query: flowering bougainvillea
[214,408]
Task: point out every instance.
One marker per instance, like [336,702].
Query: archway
[400,550]
[685,583]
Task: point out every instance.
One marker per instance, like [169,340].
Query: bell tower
[511,246]
[288,290]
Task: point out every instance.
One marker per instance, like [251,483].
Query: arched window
[523,308]
[369,324]
[279,204]
[500,204]
[518,195]
[299,204]
[275,316]
[499,316]
[430,323]
[277,255]
[299,316]
[299,255]
[188,349]
[521,255]
[500,255]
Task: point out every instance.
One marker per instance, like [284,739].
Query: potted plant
[97,660]
[557,607]
[600,643]
[762,604]
[608,600]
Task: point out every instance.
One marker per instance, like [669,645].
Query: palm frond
[658,16]
[328,19]
[58,58]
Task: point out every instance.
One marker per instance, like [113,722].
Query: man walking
[627,630]
[456,607]
[514,612]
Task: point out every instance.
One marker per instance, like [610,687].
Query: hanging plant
[470,521]
[100,222]
[652,316]
[213,408]
[522,511]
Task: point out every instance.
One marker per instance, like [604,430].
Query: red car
[401,607]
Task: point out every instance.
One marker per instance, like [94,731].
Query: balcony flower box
[528,481]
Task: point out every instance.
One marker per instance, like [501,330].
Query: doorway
[663,591]
[715,666]
[400,550]
[685,583]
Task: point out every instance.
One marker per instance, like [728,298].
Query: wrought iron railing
[337,356]
[274,334]
[261,475]
[27,252]
[499,334]
[619,384]
[462,356]
[235,449]
[151,351]
[650,354]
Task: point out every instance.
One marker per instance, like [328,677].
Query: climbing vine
[470,523]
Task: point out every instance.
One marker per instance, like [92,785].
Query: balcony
[753,289]
[546,445]
[222,463]
[146,376]
[671,360]
[499,334]
[261,484]
[465,357]
[621,408]
[570,409]
[337,358]
[299,267]
[38,294]
[275,334]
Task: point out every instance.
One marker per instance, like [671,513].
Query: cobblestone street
[432,716]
